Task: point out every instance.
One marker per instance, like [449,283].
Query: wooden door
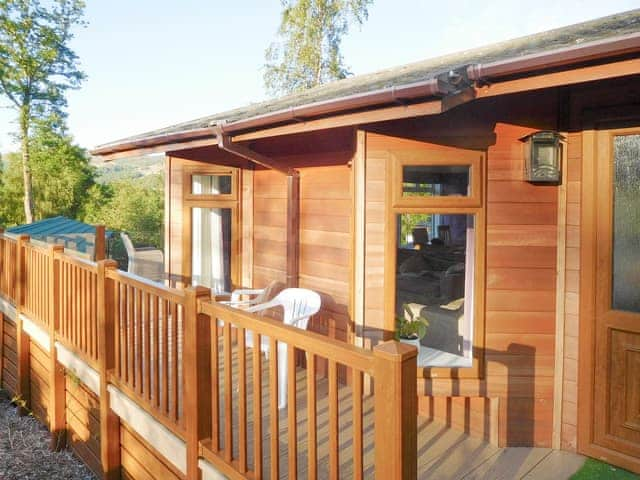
[616,314]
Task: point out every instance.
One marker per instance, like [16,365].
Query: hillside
[127,168]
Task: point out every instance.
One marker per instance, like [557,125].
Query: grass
[596,470]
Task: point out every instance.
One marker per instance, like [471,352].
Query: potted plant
[411,328]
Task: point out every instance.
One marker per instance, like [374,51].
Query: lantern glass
[543,157]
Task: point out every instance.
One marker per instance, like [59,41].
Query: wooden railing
[36,282]
[187,362]
[77,305]
[148,343]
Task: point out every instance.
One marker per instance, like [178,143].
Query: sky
[154,63]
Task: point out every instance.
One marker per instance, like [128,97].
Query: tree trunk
[26,167]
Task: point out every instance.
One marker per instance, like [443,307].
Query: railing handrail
[172,294]
[79,262]
[40,247]
[308,341]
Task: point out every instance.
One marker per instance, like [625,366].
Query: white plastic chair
[299,304]
[146,262]
[260,295]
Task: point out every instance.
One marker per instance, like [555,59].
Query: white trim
[88,376]
[156,434]
[209,472]
[36,333]
[8,309]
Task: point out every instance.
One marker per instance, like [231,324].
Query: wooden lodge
[493,193]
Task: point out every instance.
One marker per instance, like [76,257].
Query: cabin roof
[613,26]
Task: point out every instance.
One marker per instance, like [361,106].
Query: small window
[211,184]
[436,180]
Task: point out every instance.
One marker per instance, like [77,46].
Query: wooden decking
[443,453]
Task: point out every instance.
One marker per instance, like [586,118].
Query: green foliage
[411,326]
[37,67]
[134,206]
[409,221]
[61,175]
[308,51]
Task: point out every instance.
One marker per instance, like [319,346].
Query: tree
[134,206]
[308,53]
[61,175]
[37,67]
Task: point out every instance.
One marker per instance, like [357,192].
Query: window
[438,218]
[437,180]
[211,184]
[434,280]
[212,211]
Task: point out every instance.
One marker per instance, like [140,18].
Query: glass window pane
[211,184]
[435,180]
[434,282]
[626,224]
[211,248]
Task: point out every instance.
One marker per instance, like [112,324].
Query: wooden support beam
[347,120]
[57,390]
[293,229]
[197,376]
[109,421]
[23,390]
[396,409]
[225,143]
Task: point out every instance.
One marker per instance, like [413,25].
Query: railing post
[2,246]
[99,244]
[22,338]
[109,421]
[57,419]
[197,376]
[396,410]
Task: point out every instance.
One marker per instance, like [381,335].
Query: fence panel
[36,283]
[78,306]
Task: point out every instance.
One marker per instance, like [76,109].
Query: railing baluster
[165,357]
[117,307]
[215,386]
[174,360]
[156,359]
[312,451]
[242,401]
[356,395]
[146,320]
[138,340]
[273,408]
[257,406]
[228,393]
[334,454]
[292,425]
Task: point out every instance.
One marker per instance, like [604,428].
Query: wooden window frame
[476,370]
[231,201]
[438,158]
[206,171]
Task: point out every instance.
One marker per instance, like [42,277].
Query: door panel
[616,419]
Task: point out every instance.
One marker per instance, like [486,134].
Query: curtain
[469,269]
[208,246]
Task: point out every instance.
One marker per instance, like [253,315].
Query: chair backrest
[299,304]
[128,245]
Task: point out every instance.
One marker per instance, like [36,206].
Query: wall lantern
[542,157]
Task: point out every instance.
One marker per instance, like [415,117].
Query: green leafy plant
[410,326]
